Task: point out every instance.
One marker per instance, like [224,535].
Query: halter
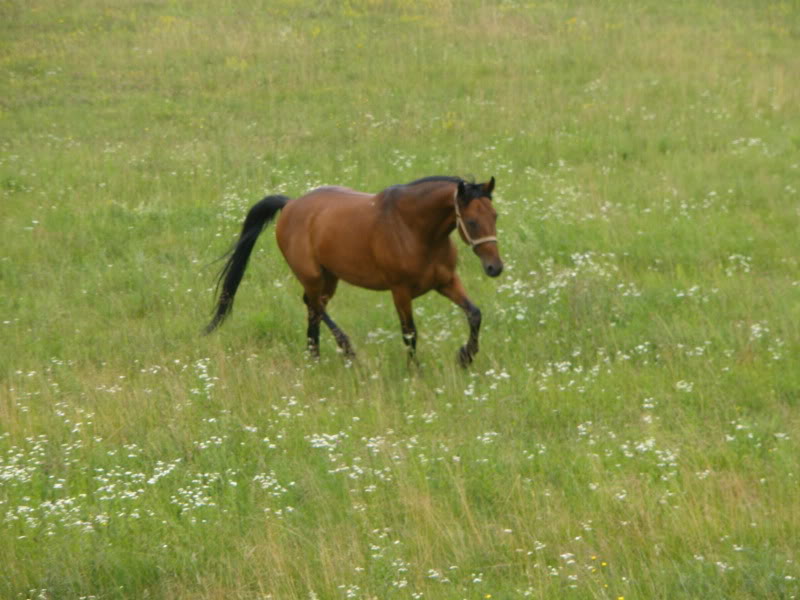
[459,221]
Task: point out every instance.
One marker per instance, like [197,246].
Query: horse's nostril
[494,270]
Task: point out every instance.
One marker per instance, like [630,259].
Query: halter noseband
[460,223]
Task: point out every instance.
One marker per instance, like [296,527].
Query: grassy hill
[629,429]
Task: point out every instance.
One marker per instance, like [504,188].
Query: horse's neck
[429,213]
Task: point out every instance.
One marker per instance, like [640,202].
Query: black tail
[231,274]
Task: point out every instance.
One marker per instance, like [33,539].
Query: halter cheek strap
[460,223]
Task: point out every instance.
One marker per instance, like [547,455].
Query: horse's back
[325,206]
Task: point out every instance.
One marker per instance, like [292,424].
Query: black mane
[435,178]
[391,194]
[472,190]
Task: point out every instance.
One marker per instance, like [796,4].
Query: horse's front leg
[402,302]
[455,292]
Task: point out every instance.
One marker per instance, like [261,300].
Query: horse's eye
[472,225]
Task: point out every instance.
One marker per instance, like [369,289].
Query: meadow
[631,426]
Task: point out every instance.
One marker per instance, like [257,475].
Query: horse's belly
[359,271]
[418,280]
[365,282]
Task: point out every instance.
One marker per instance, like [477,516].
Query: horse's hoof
[347,353]
[464,357]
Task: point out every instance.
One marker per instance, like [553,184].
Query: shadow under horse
[396,240]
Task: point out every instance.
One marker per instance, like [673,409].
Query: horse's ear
[489,187]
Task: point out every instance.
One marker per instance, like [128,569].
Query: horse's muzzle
[493,269]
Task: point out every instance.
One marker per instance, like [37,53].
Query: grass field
[631,427]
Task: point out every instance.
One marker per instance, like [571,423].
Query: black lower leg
[410,338]
[341,339]
[402,302]
[312,333]
[470,349]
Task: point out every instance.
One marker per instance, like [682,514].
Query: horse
[397,240]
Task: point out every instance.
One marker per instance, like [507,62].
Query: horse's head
[476,221]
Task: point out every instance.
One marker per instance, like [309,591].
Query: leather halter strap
[460,223]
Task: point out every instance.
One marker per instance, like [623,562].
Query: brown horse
[397,240]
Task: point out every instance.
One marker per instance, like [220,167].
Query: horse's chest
[423,271]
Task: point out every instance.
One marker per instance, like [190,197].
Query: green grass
[629,427]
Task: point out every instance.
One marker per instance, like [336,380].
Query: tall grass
[629,427]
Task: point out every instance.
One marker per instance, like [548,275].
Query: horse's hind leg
[316,299]
[329,289]
[341,338]
[315,313]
